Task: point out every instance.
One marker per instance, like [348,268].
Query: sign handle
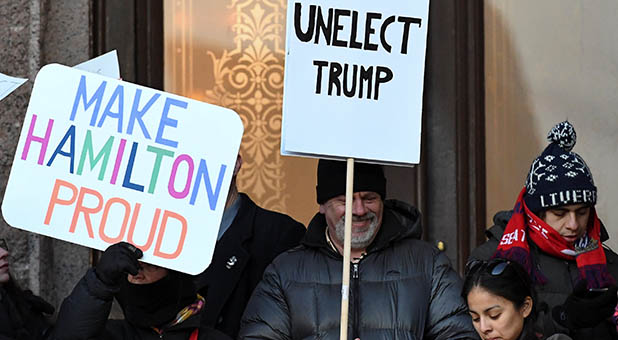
[345,280]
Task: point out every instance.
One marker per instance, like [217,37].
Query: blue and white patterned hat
[559,176]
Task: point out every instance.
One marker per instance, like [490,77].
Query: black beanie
[559,176]
[332,179]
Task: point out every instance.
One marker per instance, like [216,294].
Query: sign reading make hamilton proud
[353,86]
[101,161]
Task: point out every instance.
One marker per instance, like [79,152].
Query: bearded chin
[359,241]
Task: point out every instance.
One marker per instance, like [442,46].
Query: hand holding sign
[117,261]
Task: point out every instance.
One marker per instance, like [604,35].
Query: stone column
[34,33]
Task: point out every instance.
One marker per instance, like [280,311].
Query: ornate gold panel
[231,53]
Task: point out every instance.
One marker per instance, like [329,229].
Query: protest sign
[100,161]
[353,89]
[105,65]
[9,84]
[353,85]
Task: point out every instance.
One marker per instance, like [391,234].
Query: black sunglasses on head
[495,267]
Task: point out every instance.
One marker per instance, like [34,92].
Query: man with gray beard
[400,287]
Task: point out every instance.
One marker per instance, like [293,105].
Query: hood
[399,221]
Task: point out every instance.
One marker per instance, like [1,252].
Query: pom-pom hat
[559,176]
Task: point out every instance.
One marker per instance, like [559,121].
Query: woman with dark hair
[21,312]
[501,301]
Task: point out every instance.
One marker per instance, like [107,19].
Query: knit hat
[332,179]
[559,176]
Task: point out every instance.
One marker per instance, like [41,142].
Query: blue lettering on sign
[213,196]
[69,136]
[166,121]
[95,99]
[136,114]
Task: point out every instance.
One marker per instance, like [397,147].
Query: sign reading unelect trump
[353,85]
[101,161]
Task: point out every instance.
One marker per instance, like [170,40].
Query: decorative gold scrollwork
[249,80]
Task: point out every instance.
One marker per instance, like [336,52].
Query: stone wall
[34,33]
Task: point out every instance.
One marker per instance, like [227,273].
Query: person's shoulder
[293,255]
[274,218]
[493,234]
[419,252]
[418,247]
[279,218]
[612,260]
[293,264]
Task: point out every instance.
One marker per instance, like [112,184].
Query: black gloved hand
[585,309]
[116,262]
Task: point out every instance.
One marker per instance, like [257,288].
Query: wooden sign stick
[345,280]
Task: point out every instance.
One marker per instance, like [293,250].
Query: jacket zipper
[355,279]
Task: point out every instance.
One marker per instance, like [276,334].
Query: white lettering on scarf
[508,239]
[532,224]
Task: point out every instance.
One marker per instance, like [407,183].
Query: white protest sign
[105,65]
[100,161]
[9,84]
[353,85]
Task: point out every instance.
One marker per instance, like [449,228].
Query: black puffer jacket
[402,289]
[84,313]
[561,275]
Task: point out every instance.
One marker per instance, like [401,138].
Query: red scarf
[588,253]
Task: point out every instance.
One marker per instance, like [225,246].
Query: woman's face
[148,273]
[495,317]
[4,266]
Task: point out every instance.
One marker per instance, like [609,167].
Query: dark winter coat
[22,314]
[402,289]
[253,240]
[84,315]
[561,275]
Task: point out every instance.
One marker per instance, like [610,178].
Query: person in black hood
[400,286]
[22,314]
[157,303]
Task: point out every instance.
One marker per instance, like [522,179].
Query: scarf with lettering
[587,251]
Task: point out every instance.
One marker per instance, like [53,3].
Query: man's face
[148,273]
[570,221]
[367,207]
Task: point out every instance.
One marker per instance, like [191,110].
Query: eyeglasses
[3,244]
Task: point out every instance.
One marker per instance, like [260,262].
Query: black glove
[116,262]
[585,309]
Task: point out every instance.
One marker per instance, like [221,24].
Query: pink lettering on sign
[78,196]
[170,186]
[32,138]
